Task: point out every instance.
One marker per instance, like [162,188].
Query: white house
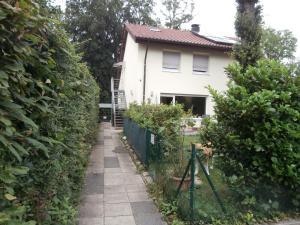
[166,66]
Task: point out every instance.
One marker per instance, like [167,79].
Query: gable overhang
[181,44]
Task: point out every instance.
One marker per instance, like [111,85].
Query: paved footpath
[290,222]
[114,193]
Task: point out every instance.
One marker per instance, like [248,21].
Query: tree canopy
[177,12]
[279,45]
[97,28]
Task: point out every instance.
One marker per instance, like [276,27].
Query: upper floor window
[171,61]
[200,64]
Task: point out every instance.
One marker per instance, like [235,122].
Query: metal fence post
[148,137]
[192,187]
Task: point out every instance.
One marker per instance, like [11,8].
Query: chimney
[195,28]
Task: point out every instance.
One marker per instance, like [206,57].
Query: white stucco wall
[158,82]
[132,72]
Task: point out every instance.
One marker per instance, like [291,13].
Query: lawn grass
[188,139]
[207,207]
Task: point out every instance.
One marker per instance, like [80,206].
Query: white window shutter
[171,60]
[200,63]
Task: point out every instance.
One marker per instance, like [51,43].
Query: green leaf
[275,205]
[20,116]
[21,170]
[10,105]
[3,75]
[20,148]
[14,152]
[274,159]
[4,141]
[5,121]
[10,197]
[38,145]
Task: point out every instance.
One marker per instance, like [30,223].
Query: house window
[171,61]
[200,64]
[195,103]
[167,100]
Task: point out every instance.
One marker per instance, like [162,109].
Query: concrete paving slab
[110,189]
[148,219]
[91,221]
[143,207]
[94,184]
[117,209]
[107,137]
[111,162]
[138,197]
[115,197]
[133,179]
[91,211]
[112,170]
[113,179]
[92,199]
[120,220]
[135,188]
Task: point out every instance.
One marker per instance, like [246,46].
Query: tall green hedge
[256,134]
[48,117]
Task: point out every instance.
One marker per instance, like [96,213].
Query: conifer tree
[248,26]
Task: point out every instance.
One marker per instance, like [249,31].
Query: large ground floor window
[196,103]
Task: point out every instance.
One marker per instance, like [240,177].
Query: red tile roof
[181,37]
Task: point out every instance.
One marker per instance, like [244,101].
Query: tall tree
[139,12]
[279,45]
[248,26]
[97,27]
[177,12]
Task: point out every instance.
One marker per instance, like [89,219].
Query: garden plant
[255,137]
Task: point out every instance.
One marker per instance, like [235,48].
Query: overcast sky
[216,17]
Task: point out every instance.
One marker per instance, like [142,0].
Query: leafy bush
[256,134]
[164,120]
[48,117]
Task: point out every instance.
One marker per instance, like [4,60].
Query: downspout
[145,75]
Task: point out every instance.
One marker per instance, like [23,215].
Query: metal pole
[182,179]
[192,187]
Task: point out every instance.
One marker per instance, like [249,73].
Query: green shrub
[156,117]
[164,120]
[48,117]
[256,134]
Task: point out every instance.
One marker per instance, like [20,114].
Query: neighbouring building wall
[132,72]
[184,82]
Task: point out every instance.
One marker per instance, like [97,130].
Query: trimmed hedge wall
[48,117]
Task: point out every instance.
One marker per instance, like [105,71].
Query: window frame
[208,62]
[169,69]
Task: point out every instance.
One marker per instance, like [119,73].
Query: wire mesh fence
[204,196]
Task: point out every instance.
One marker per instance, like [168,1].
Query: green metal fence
[145,143]
[191,203]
